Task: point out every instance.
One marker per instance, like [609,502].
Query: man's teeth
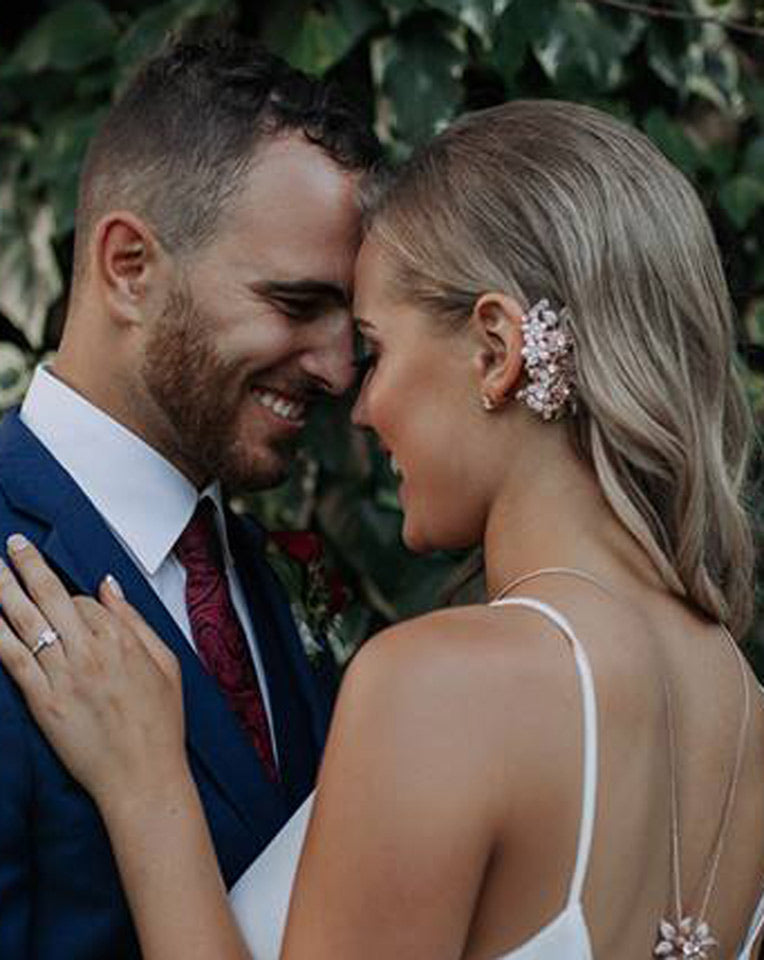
[286,409]
[394,466]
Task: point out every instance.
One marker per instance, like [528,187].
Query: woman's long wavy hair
[557,200]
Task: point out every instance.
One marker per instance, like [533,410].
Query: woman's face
[421,396]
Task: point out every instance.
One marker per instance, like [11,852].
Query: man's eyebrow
[302,289]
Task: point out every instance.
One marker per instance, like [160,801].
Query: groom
[215,237]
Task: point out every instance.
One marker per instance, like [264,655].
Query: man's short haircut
[176,144]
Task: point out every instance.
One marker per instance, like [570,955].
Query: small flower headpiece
[549,362]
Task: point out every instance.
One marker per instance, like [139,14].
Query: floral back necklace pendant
[687,938]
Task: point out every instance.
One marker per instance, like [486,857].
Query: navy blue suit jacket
[60,895]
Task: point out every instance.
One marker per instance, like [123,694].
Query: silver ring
[45,638]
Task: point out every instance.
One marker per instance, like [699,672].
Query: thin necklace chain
[569,571]
[716,850]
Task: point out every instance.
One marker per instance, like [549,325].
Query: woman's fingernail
[17,541]
[114,585]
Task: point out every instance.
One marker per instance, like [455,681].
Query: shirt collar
[141,495]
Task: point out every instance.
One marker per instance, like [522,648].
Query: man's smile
[281,405]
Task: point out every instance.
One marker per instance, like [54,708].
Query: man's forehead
[298,225]
[292,174]
[294,227]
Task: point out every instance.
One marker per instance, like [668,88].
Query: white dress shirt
[143,498]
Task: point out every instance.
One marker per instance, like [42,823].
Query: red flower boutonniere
[317,595]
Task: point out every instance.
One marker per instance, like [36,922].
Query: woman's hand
[106,692]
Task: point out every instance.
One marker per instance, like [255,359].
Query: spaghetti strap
[589,790]
[757,925]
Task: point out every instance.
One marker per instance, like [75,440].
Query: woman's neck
[561,519]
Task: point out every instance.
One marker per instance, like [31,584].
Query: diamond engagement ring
[45,638]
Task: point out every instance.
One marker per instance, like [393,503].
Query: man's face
[258,323]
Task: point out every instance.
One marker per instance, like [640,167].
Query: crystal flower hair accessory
[549,365]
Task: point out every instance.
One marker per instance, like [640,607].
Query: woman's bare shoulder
[473,672]
[428,718]
[467,641]
[482,672]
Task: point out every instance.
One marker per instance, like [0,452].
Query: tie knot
[198,546]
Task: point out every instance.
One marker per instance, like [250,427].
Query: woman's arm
[404,822]
[107,695]
[169,872]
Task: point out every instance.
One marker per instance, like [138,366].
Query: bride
[574,769]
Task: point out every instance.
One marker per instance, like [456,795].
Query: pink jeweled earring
[549,362]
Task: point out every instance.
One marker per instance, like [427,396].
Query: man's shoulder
[23,456]
[14,433]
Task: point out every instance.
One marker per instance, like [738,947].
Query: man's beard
[201,396]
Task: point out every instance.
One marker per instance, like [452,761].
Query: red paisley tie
[218,634]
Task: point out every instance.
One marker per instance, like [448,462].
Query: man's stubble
[200,398]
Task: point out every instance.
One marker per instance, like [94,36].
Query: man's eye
[299,309]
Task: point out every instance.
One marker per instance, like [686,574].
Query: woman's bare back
[519,672]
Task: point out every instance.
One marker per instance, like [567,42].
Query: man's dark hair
[175,145]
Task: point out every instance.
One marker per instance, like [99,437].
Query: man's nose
[329,361]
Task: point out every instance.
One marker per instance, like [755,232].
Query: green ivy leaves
[72,37]
[54,88]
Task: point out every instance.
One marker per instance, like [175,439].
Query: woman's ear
[131,266]
[497,322]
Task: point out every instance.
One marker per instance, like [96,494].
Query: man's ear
[131,266]
[497,321]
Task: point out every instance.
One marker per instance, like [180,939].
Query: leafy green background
[693,81]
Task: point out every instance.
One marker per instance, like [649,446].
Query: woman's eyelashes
[366,355]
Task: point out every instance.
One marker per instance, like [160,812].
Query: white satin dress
[260,899]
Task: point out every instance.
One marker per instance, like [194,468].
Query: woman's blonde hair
[558,200]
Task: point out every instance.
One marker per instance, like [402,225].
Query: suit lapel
[300,736]
[72,534]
